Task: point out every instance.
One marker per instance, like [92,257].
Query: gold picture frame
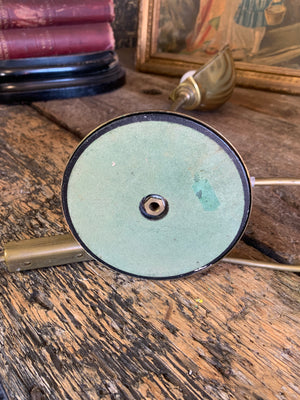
[153,56]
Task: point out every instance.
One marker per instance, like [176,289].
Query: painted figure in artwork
[206,26]
[239,23]
[251,14]
[238,37]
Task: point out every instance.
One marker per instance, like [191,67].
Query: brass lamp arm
[261,264]
[265,264]
[274,181]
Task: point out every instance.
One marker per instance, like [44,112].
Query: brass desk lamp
[174,199]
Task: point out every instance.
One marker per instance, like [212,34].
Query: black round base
[59,77]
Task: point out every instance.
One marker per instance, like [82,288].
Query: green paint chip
[206,194]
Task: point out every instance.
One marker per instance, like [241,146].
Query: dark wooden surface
[82,331]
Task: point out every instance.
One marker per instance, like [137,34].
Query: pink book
[55,40]
[34,13]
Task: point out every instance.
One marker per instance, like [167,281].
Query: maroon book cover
[55,40]
[34,13]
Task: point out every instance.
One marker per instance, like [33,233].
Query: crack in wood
[2,393]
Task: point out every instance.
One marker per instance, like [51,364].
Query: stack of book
[48,48]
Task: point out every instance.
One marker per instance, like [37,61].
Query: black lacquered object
[58,77]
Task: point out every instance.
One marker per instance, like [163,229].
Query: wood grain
[83,331]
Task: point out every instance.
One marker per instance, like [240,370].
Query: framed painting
[175,36]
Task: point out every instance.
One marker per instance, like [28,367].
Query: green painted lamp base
[188,164]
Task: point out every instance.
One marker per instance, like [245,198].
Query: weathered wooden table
[82,331]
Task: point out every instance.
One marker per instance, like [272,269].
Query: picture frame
[162,42]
